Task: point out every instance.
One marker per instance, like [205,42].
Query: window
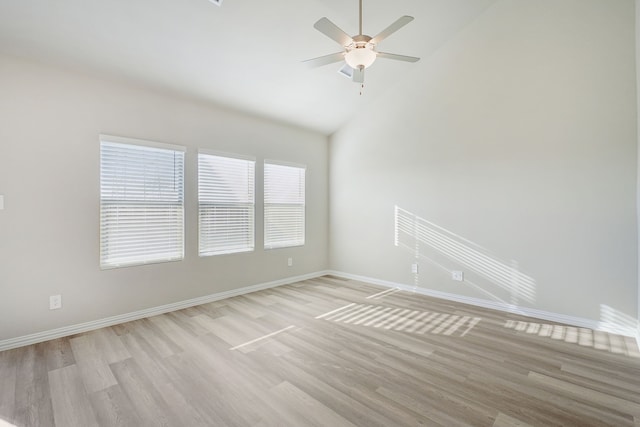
[284,205]
[225,204]
[141,202]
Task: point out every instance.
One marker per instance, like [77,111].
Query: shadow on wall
[498,279]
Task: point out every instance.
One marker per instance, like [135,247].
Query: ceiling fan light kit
[360,50]
[361,54]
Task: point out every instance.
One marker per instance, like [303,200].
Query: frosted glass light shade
[360,56]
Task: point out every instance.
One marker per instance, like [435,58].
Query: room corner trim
[149,312]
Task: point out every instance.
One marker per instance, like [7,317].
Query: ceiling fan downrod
[360,17]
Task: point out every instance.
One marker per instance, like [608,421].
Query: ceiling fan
[360,50]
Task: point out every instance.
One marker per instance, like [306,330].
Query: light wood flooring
[325,352]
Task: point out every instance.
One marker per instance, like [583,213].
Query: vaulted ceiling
[244,55]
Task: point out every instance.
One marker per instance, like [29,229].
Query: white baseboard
[115,320]
[153,311]
[509,308]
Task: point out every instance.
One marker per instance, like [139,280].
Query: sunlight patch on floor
[584,337]
[402,320]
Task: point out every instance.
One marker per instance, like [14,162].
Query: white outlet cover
[1,202]
[458,276]
[414,268]
[55,302]
[290,262]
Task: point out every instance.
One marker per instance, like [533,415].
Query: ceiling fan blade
[400,22]
[398,57]
[332,31]
[324,60]
[358,75]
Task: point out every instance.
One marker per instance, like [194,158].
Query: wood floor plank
[184,320]
[438,418]
[307,409]
[503,420]
[520,399]
[357,385]
[165,383]
[71,406]
[345,404]
[144,397]
[112,408]
[33,396]
[326,351]
[624,386]
[215,389]
[8,374]
[156,337]
[95,372]
[108,344]
[231,329]
[587,394]
[59,354]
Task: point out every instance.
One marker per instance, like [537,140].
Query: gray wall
[511,155]
[49,174]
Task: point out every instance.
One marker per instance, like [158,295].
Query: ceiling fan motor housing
[361,52]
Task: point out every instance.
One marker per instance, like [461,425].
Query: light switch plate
[1,202]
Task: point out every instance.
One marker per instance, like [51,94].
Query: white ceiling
[245,54]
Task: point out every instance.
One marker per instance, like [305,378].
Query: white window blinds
[226,203]
[141,202]
[284,205]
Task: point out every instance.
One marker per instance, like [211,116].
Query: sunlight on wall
[4,423]
[404,320]
[617,322]
[580,336]
[419,235]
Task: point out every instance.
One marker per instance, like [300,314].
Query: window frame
[268,244]
[108,202]
[251,205]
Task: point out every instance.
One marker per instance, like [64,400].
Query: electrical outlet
[1,202]
[290,262]
[458,276]
[414,268]
[55,302]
